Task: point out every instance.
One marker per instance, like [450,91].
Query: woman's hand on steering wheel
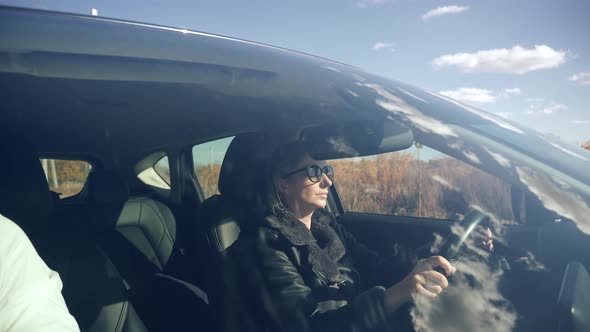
[422,280]
[488,242]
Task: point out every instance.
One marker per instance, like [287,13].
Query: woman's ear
[281,185]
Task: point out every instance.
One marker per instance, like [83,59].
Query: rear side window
[157,174]
[207,159]
[162,168]
[66,177]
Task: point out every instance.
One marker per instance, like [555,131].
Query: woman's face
[299,193]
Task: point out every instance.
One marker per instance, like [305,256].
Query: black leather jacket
[285,278]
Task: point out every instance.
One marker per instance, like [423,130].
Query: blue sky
[525,60]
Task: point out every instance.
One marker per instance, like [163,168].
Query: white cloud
[354,94]
[509,93]
[383,45]
[359,78]
[471,95]
[530,262]
[475,293]
[505,115]
[395,104]
[480,113]
[498,157]
[581,121]
[540,108]
[517,60]
[443,11]
[412,95]
[513,91]
[565,203]
[570,152]
[472,156]
[367,3]
[443,182]
[332,68]
[581,78]
[481,96]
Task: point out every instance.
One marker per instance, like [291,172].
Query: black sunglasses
[314,172]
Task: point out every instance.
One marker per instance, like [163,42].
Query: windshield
[534,188]
[553,172]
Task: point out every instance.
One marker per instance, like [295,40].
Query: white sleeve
[30,293]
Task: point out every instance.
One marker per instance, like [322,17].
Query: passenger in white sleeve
[30,292]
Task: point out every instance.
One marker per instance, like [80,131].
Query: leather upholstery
[180,305]
[147,224]
[242,165]
[93,289]
[221,216]
[150,226]
[107,187]
[224,229]
[139,234]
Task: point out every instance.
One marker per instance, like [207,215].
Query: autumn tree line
[398,184]
[394,183]
[66,177]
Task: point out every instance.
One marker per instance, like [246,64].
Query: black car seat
[93,290]
[139,235]
[222,217]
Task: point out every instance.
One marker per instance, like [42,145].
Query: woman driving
[308,273]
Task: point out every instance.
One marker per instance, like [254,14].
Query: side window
[419,182]
[66,177]
[162,168]
[156,174]
[207,159]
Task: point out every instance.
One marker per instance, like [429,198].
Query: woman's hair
[286,157]
[283,160]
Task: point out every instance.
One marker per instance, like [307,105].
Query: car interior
[136,255]
[118,252]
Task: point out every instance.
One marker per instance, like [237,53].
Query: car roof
[105,88]
[91,82]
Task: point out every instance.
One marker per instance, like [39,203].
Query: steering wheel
[453,243]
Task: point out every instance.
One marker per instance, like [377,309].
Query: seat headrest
[244,165]
[24,196]
[106,187]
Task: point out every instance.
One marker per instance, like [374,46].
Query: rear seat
[139,231]
[93,290]
[139,235]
